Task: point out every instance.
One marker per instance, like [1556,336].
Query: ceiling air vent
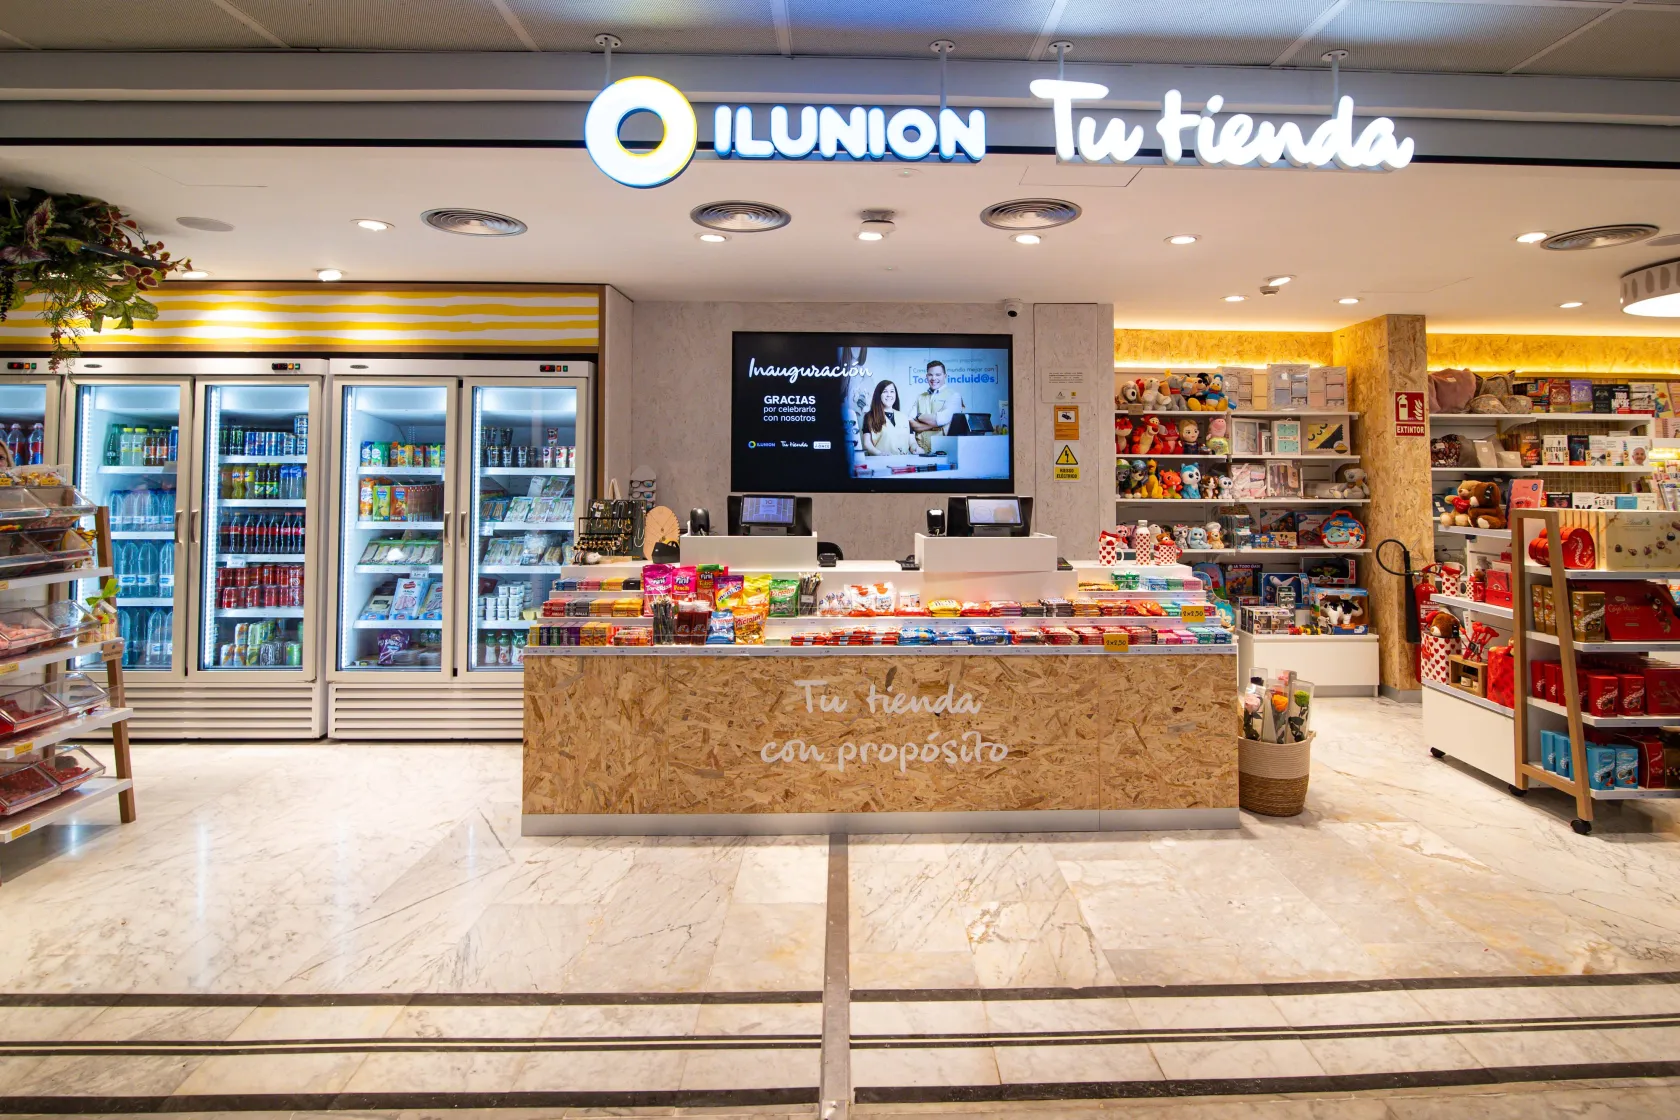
[1599,237]
[473,223]
[740,217]
[1030,213]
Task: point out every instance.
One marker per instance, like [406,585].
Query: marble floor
[349,927]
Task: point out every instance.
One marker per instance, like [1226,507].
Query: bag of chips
[784,598]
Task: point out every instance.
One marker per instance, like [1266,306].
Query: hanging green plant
[87,260]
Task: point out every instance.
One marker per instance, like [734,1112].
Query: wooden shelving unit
[1524,575]
[113,714]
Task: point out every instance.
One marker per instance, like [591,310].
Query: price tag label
[5,584]
[1117,641]
[4,669]
[1193,612]
[235,562]
[20,831]
[112,648]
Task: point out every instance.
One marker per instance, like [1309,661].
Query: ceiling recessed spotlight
[373,224]
[1235,299]
[712,238]
[1532,238]
[207,225]
[1278,281]
[877,225]
[1183,239]
[328,274]
[1348,300]
[1570,305]
[1026,239]
[195,274]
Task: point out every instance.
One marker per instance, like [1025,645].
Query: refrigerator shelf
[488,527]
[400,525]
[145,601]
[259,612]
[418,472]
[237,559]
[532,472]
[399,624]
[397,569]
[263,459]
[263,503]
[511,624]
[142,535]
[521,569]
[161,468]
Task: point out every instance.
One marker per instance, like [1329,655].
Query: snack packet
[755,593]
[784,598]
[658,581]
[727,591]
[706,577]
[910,602]
[684,581]
[881,599]
[720,629]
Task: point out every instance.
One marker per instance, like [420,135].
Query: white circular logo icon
[637,95]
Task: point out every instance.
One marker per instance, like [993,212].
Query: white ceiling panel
[125,25]
[1446,38]
[1630,44]
[887,28]
[406,25]
[650,26]
[1213,32]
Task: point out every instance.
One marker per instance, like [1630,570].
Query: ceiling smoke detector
[473,223]
[1599,237]
[1030,213]
[208,225]
[737,216]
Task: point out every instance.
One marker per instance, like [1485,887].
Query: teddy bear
[1144,435]
[1151,393]
[1190,437]
[1218,443]
[1172,484]
[1351,483]
[1211,487]
[1181,536]
[1456,508]
[1191,481]
[1486,504]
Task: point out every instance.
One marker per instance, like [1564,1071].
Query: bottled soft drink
[230,534]
[174,441]
[158,639]
[113,445]
[14,443]
[37,443]
[166,570]
[146,576]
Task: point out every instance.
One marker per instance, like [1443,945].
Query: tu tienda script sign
[864,133]
[875,745]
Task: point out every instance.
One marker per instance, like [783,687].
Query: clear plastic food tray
[20,554]
[23,785]
[20,508]
[70,767]
[40,475]
[25,628]
[78,693]
[27,708]
[65,505]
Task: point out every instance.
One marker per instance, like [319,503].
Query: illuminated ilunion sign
[862,133]
[859,133]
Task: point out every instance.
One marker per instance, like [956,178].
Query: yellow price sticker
[5,584]
[1193,612]
[21,831]
[4,669]
[1117,641]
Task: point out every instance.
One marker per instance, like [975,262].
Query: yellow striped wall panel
[1144,349]
[1554,353]
[285,318]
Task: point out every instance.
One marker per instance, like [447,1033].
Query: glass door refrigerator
[258,517]
[130,456]
[520,514]
[394,583]
[29,405]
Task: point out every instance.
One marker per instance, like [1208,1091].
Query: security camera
[1269,290]
[1013,308]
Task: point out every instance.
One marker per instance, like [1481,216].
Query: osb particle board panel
[689,734]
[1549,353]
[1206,349]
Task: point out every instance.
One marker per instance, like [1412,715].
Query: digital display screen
[833,413]
[760,510]
[994,511]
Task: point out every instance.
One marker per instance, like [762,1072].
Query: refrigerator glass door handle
[463,527]
[195,523]
[446,516]
[179,514]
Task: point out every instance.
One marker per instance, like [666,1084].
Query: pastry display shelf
[488,527]
[400,526]
[1470,698]
[35,659]
[520,569]
[264,503]
[160,468]
[404,623]
[266,460]
[397,569]
[1199,650]
[67,804]
[530,472]
[885,622]
[1540,470]
[1471,605]
[259,612]
[1609,647]
[1471,531]
[83,724]
[1572,574]
[47,579]
[411,472]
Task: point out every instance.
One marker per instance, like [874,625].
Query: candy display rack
[45,777]
[1534,715]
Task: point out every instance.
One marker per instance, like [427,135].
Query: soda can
[242,635]
[294,653]
[224,655]
[300,424]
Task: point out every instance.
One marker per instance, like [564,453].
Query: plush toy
[1351,482]
[1443,624]
[1122,476]
[1215,535]
[1138,480]
[1457,511]
[1190,437]
[1198,539]
[1122,433]
[1218,443]
[1144,435]
[1174,393]
[1131,392]
[1196,392]
[1486,504]
[1217,486]
[1167,441]
[1191,477]
[1181,536]
[1172,484]
[1216,399]
[1152,485]
[1151,393]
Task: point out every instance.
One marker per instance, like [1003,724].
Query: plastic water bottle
[146,577]
[125,628]
[119,511]
[166,570]
[157,639]
[127,565]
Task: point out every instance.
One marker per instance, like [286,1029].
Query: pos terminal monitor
[769,515]
[979,516]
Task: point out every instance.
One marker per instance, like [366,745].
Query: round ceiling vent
[1599,237]
[1030,213]
[208,225]
[740,217]
[473,223]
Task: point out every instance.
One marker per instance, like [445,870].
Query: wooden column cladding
[1384,356]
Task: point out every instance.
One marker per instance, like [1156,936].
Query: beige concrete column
[1384,356]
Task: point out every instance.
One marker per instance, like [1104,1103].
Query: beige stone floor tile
[1007,1015]
[1535,1048]
[601,1071]
[752,1069]
[770,947]
[913,970]
[1206,1012]
[270,1073]
[966,1065]
[1183,1061]
[345,1021]
[1350,1008]
[759,1018]
[1102,1062]
[931,1017]
[436,1073]
[1389,1054]
[468,1021]
[1211,961]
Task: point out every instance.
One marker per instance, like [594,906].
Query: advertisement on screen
[871,413]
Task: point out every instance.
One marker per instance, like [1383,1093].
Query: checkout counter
[870,736]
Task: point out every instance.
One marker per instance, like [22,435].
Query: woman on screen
[885,431]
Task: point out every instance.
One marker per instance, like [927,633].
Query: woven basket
[1272,777]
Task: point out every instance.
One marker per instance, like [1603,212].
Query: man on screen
[935,407]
